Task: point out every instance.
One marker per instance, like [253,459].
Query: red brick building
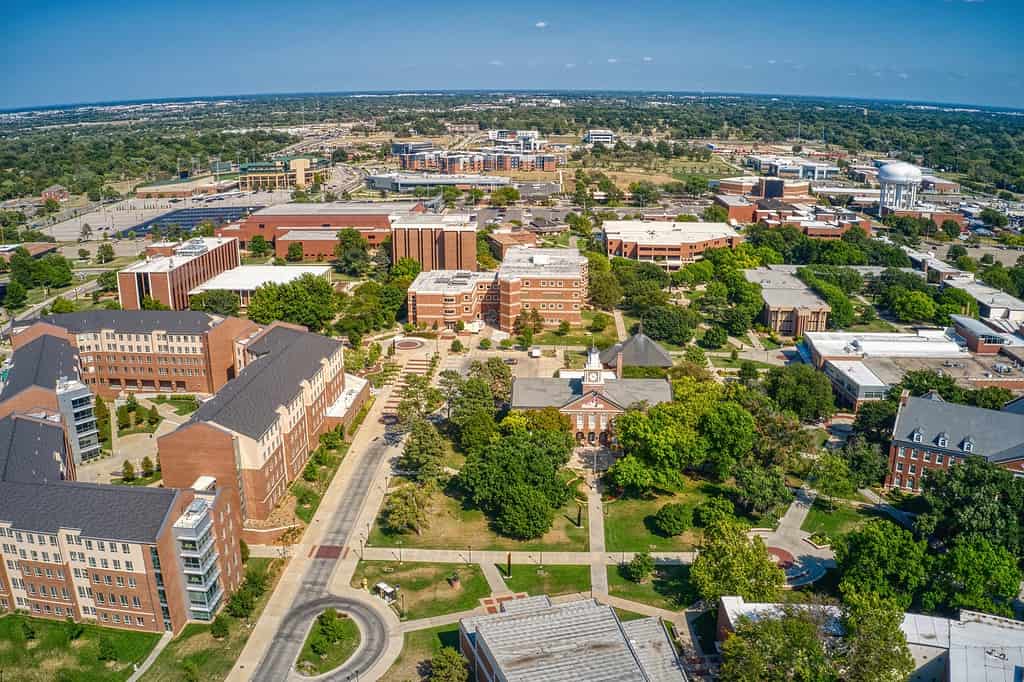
[436,242]
[668,244]
[171,271]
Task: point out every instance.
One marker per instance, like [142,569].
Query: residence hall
[790,307]
[592,397]
[171,270]
[931,434]
[550,281]
[162,351]
[138,558]
[370,219]
[668,244]
[258,431]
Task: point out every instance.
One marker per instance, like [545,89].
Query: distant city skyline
[943,51]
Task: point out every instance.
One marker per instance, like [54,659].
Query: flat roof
[340,208]
[782,289]
[925,343]
[990,296]
[449,281]
[665,232]
[857,372]
[185,253]
[249,277]
[527,261]
[458,222]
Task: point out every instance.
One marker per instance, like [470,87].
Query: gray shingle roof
[539,392]
[638,350]
[136,321]
[31,450]
[122,513]
[997,436]
[40,362]
[248,403]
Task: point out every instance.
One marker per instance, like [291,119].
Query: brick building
[246,279]
[436,242]
[146,559]
[931,434]
[147,350]
[551,281]
[55,192]
[668,244]
[592,398]
[258,431]
[171,271]
[371,219]
[502,240]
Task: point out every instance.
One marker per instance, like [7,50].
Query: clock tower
[593,372]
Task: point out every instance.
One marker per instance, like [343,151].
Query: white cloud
[904,75]
[570,65]
[496,62]
[541,24]
[613,60]
[771,61]
[648,59]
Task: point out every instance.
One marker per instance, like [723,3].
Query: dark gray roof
[31,450]
[248,403]
[638,350]
[540,392]
[135,321]
[122,513]
[996,435]
[40,362]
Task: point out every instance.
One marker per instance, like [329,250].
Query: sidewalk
[595,526]
[620,325]
[165,639]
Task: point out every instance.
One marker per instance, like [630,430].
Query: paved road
[277,663]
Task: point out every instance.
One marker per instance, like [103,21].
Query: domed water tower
[899,182]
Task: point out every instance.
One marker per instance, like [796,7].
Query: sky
[961,51]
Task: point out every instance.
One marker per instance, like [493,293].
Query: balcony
[200,566]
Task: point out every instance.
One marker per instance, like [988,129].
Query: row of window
[32,554]
[52,574]
[925,455]
[29,537]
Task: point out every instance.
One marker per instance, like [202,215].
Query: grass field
[549,580]
[629,521]
[873,326]
[668,588]
[835,522]
[425,586]
[579,335]
[310,663]
[51,655]
[420,646]
[726,362]
[450,519]
[181,405]
[213,658]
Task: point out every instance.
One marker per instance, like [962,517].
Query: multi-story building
[931,434]
[399,148]
[765,188]
[370,219]
[43,376]
[790,307]
[256,434]
[411,182]
[599,136]
[436,242]
[551,281]
[55,192]
[146,350]
[245,279]
[148,559]
[669,244]
[290,172]
[792,167]
[172,270]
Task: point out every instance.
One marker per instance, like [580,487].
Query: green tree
[783,649]
[729,563]
[406,510]
[294,254]
[219,629]
[258,246]
[951,228]
[127,471]
[147,467]
[831,477]
[16,296]
[914,306]
[715,214]
[424,451]
[153,416]
[108,280]
[729,432]
[108,650]
[104,253]
[448,665]
[62,305]
[631,474]
[406,268]
[639,568]
[802,390]
[974,574]
[761,488]
[875,647]
[715,337]
[875,420]
[993,218]
[866,461]
[881,558]
[524,514]
[308,301]
[216,301]
[673,519]
[352,252]
[605,290]
[150,303]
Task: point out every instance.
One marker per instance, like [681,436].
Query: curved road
[278,662]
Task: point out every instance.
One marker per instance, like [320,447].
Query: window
[899,452]
[899,466]
[913,468]
[913,453]
[128,566]
[917,436]
[968,446]
[939,458]
[926,456]
[136,604]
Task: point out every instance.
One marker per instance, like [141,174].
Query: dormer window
[917,435]
[968,445]
[943,440]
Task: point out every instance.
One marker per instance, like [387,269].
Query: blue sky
[935,50]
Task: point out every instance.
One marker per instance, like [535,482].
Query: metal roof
[539,392]
[249,277]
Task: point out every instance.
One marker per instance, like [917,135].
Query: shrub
[448,665]
[153,416]
[713,510]
[485,344]
[457,346]
[191,671]
[673,519]
[243,549]
[241,603]
[505,343]
[309,473]
[128,471]
[715,337]
[219,628]
[28,630]
[319,644]
[108,652]
[640,567]
[74,630]
[147,466]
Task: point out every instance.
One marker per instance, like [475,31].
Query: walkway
[788,537]
[620,325]
[539,558]
[595,527]
[494,579]
[903,518]
[164,640]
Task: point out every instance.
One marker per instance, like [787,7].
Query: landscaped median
[331,641]
[38,650]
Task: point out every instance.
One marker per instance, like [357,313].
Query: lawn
[52,655]
[726,362]
[877,325]
[451,519]
[549,580]
[312,664]
[213,658]
[769,344]
[309,493]
[625,615]
[668,588]
[836,522]
[629,521]
[425,587]
[420,646]
[579,335]
[140,480]
[181,404]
